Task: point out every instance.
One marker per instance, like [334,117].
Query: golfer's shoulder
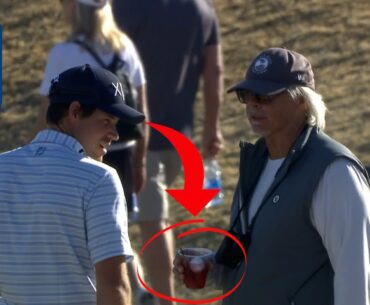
[16,154]
[97,170]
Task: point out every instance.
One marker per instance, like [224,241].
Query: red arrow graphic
[193,197]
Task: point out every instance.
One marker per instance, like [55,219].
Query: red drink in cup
[196,266]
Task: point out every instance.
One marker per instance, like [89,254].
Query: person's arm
[142,144]
[213,91]
[112,285]
[341,214]
[135,71]
[107,238]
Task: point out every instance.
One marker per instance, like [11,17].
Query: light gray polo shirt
[60,213]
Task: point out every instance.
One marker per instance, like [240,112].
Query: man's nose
[253,102]
[114,133]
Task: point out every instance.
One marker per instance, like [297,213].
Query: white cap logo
[261,64]
[55,80]
[119,90]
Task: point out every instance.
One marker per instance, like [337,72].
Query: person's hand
[212,143]
[178,268]
[181,261]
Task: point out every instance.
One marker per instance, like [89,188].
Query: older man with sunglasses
[301,206]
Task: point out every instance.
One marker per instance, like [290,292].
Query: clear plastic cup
[196,264]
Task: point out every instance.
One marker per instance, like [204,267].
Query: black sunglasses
[245,96]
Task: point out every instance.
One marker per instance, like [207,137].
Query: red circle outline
[184,234]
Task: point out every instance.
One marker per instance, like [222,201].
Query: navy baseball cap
[94,3]
[275,70]
[93,86]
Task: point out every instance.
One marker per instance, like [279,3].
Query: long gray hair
[316,108]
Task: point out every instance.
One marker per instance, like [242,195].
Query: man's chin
[101,155]
[98,157]
[257,130]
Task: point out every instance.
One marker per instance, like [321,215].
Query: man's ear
[74,110]
[301,100]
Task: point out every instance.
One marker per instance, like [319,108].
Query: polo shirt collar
[57,137]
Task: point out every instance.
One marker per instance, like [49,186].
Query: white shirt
[340,212]
[66,55]
[266,179]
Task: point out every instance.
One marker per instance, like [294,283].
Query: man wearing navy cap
[63,216]
[301,206]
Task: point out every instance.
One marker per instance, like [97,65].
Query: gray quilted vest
[287,262]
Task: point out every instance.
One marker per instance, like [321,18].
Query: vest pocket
[316,289]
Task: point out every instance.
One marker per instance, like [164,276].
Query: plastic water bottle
[134,213]
[212,180]
[161,175]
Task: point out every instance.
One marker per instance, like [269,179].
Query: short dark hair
[57,111]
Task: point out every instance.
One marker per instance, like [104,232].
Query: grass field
[333,34]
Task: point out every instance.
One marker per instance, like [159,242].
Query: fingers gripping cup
[196,266]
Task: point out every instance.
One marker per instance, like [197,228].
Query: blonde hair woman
[92,22]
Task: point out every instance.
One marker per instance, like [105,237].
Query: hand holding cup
[191,266]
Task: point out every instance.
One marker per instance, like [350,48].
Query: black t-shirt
[170,36]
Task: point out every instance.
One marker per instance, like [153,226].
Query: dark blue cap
[275,70]
[93,86]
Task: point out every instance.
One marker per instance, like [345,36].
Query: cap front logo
[301,77]
[55,80]
[261,64]
[98,3]
[119,90]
